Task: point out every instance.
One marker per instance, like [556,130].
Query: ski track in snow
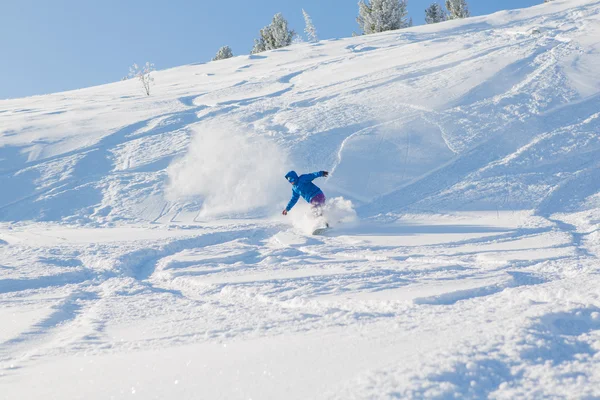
[470,150]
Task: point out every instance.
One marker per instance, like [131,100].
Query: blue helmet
[292,176]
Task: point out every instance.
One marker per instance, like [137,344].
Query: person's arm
[312,176]
[292,203]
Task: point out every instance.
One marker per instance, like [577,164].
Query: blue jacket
[303,186]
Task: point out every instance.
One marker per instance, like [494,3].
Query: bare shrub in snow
[309,29]
[274,36]
[223,53]
[143,74]
[382,15]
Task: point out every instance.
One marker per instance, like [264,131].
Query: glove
[325,174]
[284,212]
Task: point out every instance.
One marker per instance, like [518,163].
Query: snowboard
[321,230]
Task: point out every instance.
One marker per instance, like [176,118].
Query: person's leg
[317,204]
[318,200]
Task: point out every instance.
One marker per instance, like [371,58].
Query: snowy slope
[142,251]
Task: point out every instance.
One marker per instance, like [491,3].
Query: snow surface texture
[142,250]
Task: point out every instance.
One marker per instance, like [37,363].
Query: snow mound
[431,118]
[464,193]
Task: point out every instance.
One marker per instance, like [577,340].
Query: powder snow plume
[337,212]
[231,170]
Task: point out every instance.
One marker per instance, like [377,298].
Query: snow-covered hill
[142,251]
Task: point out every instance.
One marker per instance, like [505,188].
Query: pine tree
[309,30]
[223,53]
[274,36]
[382,15]
[457,9]
[434,14]
[260,43]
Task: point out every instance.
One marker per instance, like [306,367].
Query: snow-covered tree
[274,36]
[434,14]
[309,29]
[382,15]
[223,53]
[457,9]
[143,74]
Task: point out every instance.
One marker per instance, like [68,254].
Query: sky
[53,46]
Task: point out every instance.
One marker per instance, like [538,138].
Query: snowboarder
[302,186]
